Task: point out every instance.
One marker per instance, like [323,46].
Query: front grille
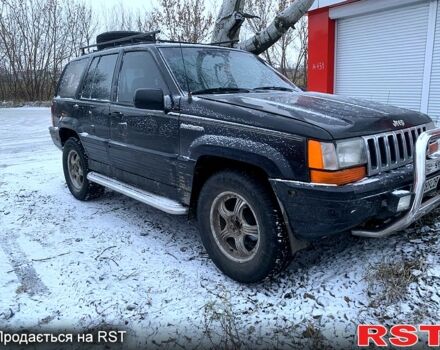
[391,150]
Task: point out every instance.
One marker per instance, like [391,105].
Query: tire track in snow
[23,267]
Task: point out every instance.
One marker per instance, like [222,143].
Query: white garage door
[434,95]
[381,56]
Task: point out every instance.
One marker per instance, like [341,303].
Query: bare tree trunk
[264,10]
[231,17]
[229,21]
[279,26]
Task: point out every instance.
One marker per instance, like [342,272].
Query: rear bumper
[315,211]
[55,134]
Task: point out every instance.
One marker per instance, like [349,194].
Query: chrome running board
[162,203]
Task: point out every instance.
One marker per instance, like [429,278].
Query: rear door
[65,104]
[94,106]
[144,143]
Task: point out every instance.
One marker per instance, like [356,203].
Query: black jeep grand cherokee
[263,166]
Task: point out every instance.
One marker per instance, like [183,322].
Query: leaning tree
[231,17]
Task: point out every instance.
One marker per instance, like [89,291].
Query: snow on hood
[341,116]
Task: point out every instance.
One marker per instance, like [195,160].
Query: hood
[342,117]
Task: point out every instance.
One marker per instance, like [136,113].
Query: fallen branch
[108,248]
[51,257]
[39,260]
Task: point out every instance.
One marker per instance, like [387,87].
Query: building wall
[325,3]
[321,57]
[355,24]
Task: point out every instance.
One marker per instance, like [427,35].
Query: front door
[143,143]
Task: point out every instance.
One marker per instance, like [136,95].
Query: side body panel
[144,144]
[95,129]
[206,130]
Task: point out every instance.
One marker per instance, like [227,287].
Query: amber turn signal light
[340,177]
[433,148]
[315,155]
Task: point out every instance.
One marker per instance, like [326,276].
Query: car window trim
[57,89]
[160,50]
[80,97]
[170,73]
[90,99]
[112,79]
[125,51]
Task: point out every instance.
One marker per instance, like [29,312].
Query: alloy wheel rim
[76,172]
[235,226]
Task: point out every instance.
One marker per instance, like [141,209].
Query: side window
[70,79]
[139,70]
[102,82]
[86,91]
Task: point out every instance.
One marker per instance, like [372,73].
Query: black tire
[271,255]
[82,190]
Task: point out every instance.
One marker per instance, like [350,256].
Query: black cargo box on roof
[116,38]
[119,38]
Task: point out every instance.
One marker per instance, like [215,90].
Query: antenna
[186,74]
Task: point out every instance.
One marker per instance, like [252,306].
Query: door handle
[123,125]
[117,114]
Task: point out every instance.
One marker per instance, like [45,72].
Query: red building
[382,50]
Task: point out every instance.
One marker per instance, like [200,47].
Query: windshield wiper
[279,88]
[219,90]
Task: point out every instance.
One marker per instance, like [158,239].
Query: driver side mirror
[149,99]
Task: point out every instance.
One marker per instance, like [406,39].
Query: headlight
[351,153]
[337,163]
[339,155]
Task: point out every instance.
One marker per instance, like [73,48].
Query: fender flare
[256,153]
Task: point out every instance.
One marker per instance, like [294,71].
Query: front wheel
[241,227]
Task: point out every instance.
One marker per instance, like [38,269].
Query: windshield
[213,70]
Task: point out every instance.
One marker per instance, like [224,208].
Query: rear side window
[102,81]
[139,70]
[86,91]
[70,79]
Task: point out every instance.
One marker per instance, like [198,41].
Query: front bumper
[313,211]
[419,207]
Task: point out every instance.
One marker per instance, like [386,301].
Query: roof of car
[158,44]
[115,41]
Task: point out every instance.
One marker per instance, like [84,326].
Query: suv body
[330,164]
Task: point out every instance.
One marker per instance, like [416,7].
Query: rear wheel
[75,166]
[241,227]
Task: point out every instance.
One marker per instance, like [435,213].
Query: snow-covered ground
[114,262]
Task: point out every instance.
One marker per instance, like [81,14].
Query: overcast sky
[99,5]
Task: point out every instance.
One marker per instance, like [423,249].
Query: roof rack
[147,37]
[137,38]
[231,42]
